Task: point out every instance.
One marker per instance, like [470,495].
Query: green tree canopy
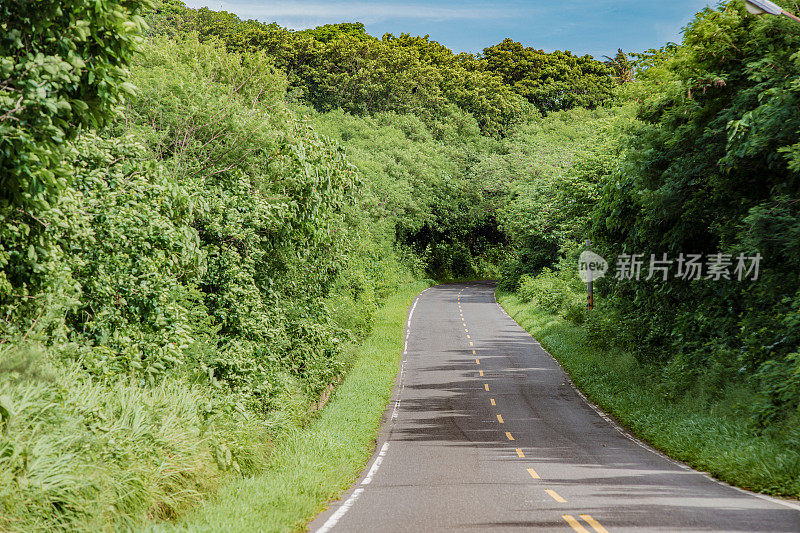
[551,81]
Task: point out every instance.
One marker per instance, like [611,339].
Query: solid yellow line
[477,361]
[481,371]
[533,473]
[553,494]
[520,454]
[500,419]
[491,400]
[486,386]
[508,434]
[594,523]
[574,523]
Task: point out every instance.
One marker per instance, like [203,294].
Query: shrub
[547,291]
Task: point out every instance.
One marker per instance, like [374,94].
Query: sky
[596,27]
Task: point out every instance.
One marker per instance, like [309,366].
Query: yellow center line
[520,454]
[474,352]
[574,523]
[486,386]
[481,371]
[491,400]
[594,523]
[533,473]
[468,336]
[500,419]
[508,434]
[466,330]
[477,361]
[470,343]
[553,494]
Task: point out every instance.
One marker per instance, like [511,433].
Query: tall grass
[707,426]
[77,454]
[313,466]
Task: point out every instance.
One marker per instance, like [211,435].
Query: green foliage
[711,169]
[190,259]
[421,191]
[552,174]
[62,67]
[623,68]
[341,67]
[212,263]
[550,81]
[73,456]
[314,466]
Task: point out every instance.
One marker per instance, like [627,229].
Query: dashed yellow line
[468,336]
[509,436]
[500,419]
[594,523]
[553,494]
[474,352]
[481,371]
[477,361]
[486,386]
[491,401]
[466,330]
[520,454]
[574,524]
[533,473]
[470,343]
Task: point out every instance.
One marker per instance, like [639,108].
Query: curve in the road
[487,433]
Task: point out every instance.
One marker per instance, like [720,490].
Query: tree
[622,67]
[550,81]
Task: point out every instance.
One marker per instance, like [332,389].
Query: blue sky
[596,27]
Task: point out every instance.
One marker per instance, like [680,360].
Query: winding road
[486,433]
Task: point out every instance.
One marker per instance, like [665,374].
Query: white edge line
[644,445]
[376,464]
[335,517]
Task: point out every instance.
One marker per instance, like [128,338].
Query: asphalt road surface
[486,433]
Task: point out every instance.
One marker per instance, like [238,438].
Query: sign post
[589,286]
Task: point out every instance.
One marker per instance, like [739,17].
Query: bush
[547,291]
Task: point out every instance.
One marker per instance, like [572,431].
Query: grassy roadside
[703,432]
[312,466]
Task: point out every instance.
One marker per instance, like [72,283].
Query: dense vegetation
[706,166]
[199,216]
